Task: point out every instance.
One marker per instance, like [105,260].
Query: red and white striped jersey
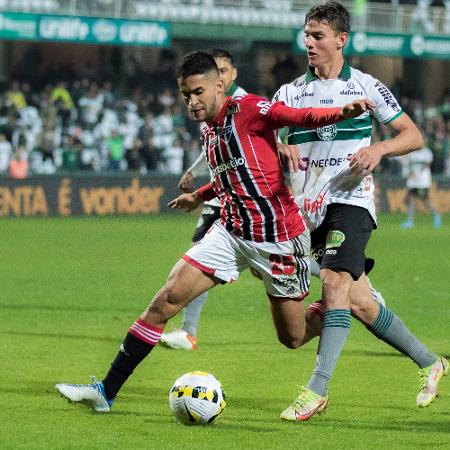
[241,150]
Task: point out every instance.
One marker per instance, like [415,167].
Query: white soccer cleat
[179,339]
[92,395]
[429,380]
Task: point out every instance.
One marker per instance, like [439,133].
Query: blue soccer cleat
[92,395]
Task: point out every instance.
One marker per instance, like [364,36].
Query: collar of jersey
[344,74]
[219,118]
[233,88]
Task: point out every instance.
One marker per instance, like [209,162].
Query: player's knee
[165,304]
[291,342]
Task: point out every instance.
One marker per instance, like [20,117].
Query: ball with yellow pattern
[197,398]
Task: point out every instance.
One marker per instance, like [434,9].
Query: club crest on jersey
[226,131]
[327,133]
[233,108]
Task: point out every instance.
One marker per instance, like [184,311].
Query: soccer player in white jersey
[417,171]
[186,337]
[260,224]
[334,189]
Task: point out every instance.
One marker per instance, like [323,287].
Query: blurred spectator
[18,166]
[115,150]
[15,96]
[5,153]
[71,154]
[173,157]
[147,150]
[133,157]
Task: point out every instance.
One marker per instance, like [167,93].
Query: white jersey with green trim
[327,178]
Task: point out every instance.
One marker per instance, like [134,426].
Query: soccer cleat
[179,339]
[429,378]
[307,404]
[92,395]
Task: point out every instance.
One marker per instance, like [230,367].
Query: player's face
[323,44]
[202,95]
[227,71]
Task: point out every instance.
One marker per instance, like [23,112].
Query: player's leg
[388,327]
[437,220]
[340,241]
[202,267]
[185,282]
[186,337]
[410,208]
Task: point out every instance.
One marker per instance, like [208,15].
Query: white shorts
[283,266]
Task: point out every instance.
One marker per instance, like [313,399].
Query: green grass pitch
[70,288]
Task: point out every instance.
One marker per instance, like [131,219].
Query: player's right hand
[186,183]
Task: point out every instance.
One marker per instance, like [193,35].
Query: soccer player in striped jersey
[186,337]
[334,189]
[260,225]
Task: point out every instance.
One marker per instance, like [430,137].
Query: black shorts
[208,216]
[340,241]
[419,193]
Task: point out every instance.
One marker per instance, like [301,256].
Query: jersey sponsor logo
[232,164]
[335,238]
[350,92]
[326,101]
[387,96]
[331,252]
[323,162]
[327,133]
[311,205]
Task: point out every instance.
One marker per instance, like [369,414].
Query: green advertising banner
[403,45]
[89,30]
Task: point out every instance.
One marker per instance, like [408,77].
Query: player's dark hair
[221,53]
[335,15]
[196,63]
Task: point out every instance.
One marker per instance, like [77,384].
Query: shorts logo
[335,238]
[327,133]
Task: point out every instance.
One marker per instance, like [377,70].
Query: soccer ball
[197,398]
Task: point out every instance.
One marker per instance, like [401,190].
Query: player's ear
[342,39]
[220,85]
[235,73]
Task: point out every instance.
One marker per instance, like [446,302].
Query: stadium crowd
[83,125]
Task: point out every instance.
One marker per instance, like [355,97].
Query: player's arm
[191,201]
[199,167]
[317,117]
[408,138]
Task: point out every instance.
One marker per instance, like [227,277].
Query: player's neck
[329,71]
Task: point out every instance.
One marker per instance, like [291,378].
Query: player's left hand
[365,160]
[356,108]
[189,202]
[290,157]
